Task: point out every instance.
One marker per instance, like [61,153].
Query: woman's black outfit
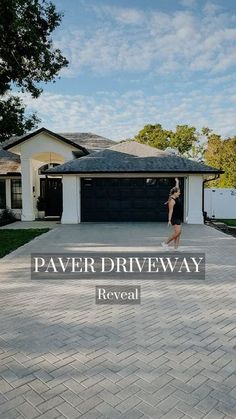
[176,217]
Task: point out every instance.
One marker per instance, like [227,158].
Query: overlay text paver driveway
[173,356]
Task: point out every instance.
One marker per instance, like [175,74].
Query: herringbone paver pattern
[62,356]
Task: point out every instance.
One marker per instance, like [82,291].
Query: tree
[213,152]
[204,146]
[222,155]
[196,152]
[183,138]
[228,179]
[13,115]
[27,57]
[154,135]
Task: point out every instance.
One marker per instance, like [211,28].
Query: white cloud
[130,40]
[140,47]
[119,116]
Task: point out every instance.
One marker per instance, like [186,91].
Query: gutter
[203,183]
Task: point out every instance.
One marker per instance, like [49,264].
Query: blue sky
[134,62]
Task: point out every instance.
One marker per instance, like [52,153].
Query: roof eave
[71,172]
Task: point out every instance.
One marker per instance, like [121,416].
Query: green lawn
[229,222]
[11,239]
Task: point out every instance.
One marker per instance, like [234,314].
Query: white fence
[220,202]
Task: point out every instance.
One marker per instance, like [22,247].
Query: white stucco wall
[71,199]
[220,202]
[194,200]
[44,143]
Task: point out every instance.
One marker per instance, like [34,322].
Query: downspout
[203,183]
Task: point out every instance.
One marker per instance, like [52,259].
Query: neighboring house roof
[82,141]
[92,142]
[131,156]
[9,163]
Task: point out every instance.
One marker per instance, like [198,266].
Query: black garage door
[126,199]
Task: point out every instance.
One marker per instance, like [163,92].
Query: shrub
[7,216]
[40,204]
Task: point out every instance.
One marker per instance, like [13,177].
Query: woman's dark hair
[173,190]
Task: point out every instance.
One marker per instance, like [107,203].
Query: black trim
[10,174]
[134,171]
[32,134]
[77,154]
[3,203]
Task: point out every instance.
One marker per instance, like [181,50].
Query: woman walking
[174,216]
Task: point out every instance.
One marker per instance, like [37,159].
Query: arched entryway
[46,199]
[43,147]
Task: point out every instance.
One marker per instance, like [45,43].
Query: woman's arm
[171,206]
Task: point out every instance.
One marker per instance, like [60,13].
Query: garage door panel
[124,205]
[125,199]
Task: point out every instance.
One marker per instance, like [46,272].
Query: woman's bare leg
[175,234]
[176,245]
[177,240]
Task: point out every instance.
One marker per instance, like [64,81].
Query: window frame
[15,205]
[5,198]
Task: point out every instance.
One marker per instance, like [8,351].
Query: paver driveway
[173,356]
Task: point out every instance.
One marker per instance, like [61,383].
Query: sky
[138,62]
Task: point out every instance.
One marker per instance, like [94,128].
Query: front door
[52,188]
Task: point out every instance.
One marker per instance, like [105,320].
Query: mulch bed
[222,227]
[5,222]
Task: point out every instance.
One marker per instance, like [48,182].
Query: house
[84,177]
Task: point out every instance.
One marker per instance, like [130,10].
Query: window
[16,194]
[151,181]
[42,188]
[87,182]
[2,193]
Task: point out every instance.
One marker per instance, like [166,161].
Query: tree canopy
[222,155]
[154,135]
[183,138]
[27,58]
[204,146]
[12,113]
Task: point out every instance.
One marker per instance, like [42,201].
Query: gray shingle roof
[90,141]
[81,140]
[9,162]
[131,156]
